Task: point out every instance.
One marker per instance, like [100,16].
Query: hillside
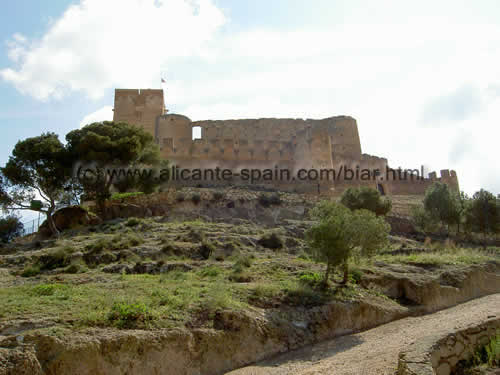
[227,289]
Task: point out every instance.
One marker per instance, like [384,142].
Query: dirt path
[373,352]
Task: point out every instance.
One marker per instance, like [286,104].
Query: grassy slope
[239,274]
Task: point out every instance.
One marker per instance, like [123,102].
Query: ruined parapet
[419,186]
[449,177]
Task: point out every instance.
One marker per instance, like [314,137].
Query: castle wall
[307,142]
[293,144]
[415,186]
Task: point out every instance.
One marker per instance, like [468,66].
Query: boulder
[400,225]
[69,218]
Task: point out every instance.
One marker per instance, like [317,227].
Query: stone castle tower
[330,143]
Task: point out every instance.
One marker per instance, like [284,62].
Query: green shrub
[132,222]
[355,275]
[240,276]
[100,245]
[243,261]
[196,198]
[488,355]
[423,220]
[311,279]
[210,271]
[131,240]
[267,200]
[57,258]
[217,196]
[271,241]
[31,270]
[10,228]
[302,294]
[75,268]
[129,315]
[357,198]
[304,256]
[266,291]
[206,249]
[120,196]
[46,289]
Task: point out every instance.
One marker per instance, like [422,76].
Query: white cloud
[386,74]
[103,114]
[100,44]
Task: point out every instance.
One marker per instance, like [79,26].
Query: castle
[293,144]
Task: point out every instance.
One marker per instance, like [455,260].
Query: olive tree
[339,233]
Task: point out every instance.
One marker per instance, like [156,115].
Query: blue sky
[421,78]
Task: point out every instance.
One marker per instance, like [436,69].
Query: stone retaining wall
[439,354]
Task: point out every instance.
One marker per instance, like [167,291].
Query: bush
[75,268]
[196,198]
[271,241]
[206,249]
[423,220]
[442,204]
[340,233]
[129,315]
[100,245]
[265,291]
[356,275]
[130,240]
[244,261]
[303,295]
[55,259]
[366,198]
[132,222]
[180,197]
[312,279]
[47,289]
[120,196]
[218,195]
[482,213]
[210,271]
[267,200]
[10,228]
[240,276]
[30,271]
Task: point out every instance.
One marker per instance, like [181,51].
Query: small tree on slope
[339,232]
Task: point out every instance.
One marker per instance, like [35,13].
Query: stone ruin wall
[264,143]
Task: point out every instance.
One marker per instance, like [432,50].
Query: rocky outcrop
[16,358]
[434,293]
[69,218]
[400,225]
[440,354]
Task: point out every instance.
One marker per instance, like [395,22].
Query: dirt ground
[374,352]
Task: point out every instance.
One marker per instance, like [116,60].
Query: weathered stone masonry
[264,143]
